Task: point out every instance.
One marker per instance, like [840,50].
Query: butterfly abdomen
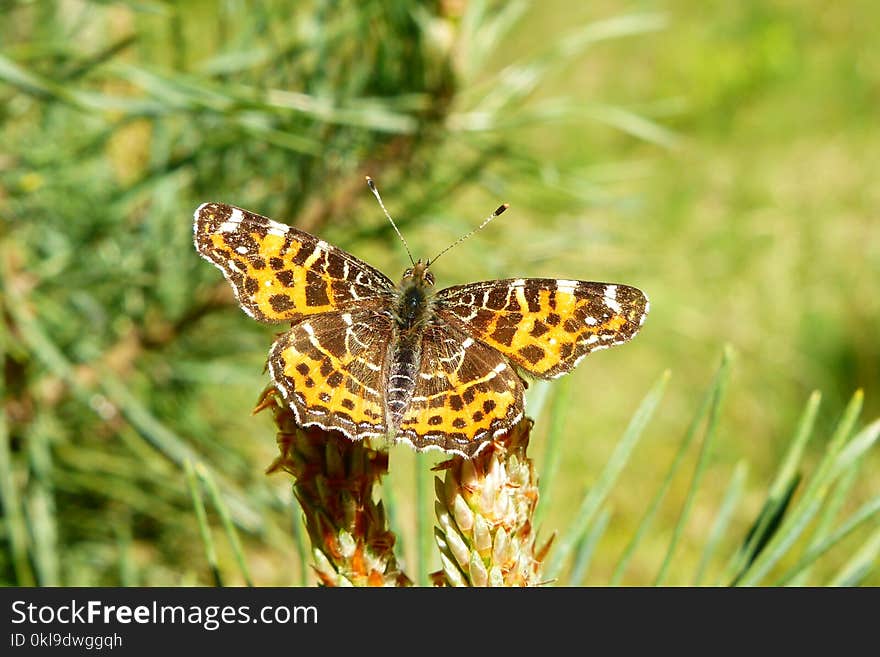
[405,358]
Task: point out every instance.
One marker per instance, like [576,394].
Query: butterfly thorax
[412,306]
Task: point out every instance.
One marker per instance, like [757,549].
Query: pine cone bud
[484,511]
[334,477]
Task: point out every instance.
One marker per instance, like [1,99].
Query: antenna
[375,191]
[501,208]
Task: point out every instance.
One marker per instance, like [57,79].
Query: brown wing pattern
[280,273]
[465,394]
[545,326]
[330,369]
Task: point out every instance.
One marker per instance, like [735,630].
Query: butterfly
[372,358]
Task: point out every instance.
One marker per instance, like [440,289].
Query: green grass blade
[225,517]
[853,452]
[296,528]
[202,519]
[586,548]
[106,54]
[389,504]
[16,530]
[839,455]
[866,513]
[862,564]
[483,30]
[596,495]
[537,395]
[552,454]
[632,124]
[778,497]
[791,463]
[424,526]
[717,391]
[25,81]
[44,89]
[651,512]
[127,567]
[150,427]
[841,489]
[41,509]
[612,28]
[722,520]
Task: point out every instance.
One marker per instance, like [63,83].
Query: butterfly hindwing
[330,369]
[280,273]
[545,326]
[465,394]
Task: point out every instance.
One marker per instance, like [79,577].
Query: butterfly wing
[280,273]
[545,326]
[465,394]
[330,370]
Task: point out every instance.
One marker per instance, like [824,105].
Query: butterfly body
[412,311]
[370,358]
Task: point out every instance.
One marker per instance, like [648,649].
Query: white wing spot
[611,298]
[241,249]
[592,321]
[278,229]
[231,224]
[566,286]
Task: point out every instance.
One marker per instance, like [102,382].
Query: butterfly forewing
[545,326]
[280,273]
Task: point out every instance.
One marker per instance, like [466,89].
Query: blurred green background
[721,156]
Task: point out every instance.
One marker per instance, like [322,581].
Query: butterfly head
[418,275]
